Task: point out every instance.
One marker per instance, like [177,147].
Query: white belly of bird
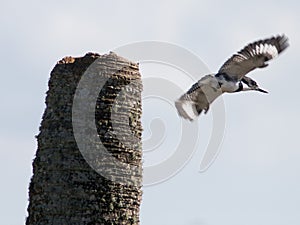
[229,87]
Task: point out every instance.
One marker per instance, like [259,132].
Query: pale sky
[255,178]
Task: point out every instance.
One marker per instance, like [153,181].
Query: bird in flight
[231,77]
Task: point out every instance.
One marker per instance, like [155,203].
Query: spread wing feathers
[198,97]
[254,55]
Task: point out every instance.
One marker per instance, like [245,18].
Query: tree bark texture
[69,187]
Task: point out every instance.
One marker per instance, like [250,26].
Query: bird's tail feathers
[187,109]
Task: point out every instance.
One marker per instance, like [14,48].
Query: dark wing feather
[254,55]
[198,97]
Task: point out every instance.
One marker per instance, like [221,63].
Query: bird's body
[230,77]
[227,84]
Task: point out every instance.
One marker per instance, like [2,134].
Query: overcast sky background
[254,180]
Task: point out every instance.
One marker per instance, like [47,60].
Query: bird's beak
[261,90]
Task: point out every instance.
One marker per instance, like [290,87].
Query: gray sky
[254,180]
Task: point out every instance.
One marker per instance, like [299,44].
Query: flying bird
[231,77]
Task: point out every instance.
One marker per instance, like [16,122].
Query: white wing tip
[186,109]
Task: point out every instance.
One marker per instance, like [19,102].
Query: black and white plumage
[231,76]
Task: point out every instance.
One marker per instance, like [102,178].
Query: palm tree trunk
[79,179]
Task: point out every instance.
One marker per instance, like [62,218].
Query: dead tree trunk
[80,177]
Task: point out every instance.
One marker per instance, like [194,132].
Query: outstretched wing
[254,55]
[198,97]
